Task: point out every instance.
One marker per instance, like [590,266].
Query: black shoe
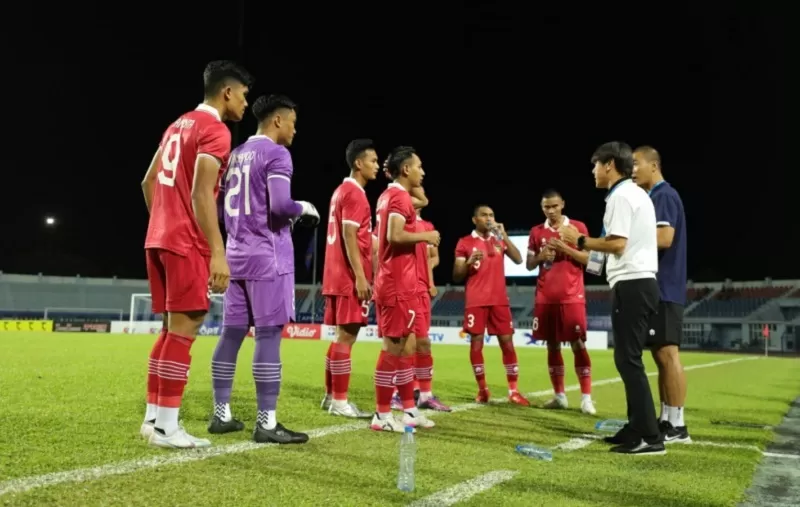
[278,435]
[623,436]
[640,447]
[675,434]
[217,426]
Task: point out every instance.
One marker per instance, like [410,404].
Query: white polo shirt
[630,214]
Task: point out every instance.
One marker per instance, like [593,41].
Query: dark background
[501,102]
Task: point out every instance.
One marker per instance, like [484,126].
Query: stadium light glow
[50,221]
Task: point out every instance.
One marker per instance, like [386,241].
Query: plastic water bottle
[408,453]
[547,264]
[536,452]
[610,425]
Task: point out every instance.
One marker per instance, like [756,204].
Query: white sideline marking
[23,484]
[707,443]
[465,490]
[574,444]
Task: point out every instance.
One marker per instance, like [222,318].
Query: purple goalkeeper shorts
[259,302]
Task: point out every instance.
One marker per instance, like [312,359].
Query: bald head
[646,167]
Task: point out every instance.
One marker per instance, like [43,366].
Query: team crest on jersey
[499,248]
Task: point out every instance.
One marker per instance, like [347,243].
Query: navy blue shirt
[671,261]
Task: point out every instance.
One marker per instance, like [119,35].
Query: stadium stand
[451,304]
[732,302]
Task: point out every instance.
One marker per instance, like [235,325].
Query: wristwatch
[581,243]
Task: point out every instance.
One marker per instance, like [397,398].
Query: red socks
[583,368]
[510,363]
[404,380]
[328,379]
[555,364]
[423,370]
[152,368]
[339,370]
[476,358]
[173,369]
[385,372]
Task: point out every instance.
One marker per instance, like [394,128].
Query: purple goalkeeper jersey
[258,209]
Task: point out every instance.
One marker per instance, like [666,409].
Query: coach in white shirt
[629,243]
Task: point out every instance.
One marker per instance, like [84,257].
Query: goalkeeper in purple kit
[259,214]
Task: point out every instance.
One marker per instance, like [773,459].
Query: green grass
[76,400]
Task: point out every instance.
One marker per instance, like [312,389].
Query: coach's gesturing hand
[569,234]
[220,273]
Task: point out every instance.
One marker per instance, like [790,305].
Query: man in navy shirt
[666,329]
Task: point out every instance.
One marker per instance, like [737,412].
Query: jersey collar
[354,182]
[547,224]
[397,185]
[208,109]
[615,186]
[478,236]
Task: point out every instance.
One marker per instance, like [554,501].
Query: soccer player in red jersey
[397,291]
[347,276]
[559,314]
[184,249]
[427,259]
[479,260]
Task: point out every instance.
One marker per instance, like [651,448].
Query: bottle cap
[409,429]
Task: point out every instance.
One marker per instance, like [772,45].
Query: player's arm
[206,175]
[433,256]
[399,236]
[352,214]
[279,188]
[579,256]
[374,255]
[535,253]
[511,249]
[666,217]
[149,181]
[418,198]
[618,216]
[464,261]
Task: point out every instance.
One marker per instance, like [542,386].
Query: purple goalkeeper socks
[267,367]
[223,363]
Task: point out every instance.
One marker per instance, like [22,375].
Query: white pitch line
[23,484]
[708,443]
[465,490]
[574,444]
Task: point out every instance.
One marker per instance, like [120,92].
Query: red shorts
[562,323]
[401,319]
[496,320]
[343,310]
[425,317]
[177,283]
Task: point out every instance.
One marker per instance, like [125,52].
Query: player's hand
[557,245]
[569,234]
[363,290]
[433,238]
[500,229]
[309,217]
[220,274]
[386,169]
[475,257]
[547,254]
[433,291]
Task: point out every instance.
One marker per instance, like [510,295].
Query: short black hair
[650,154]
[356,149]
[220,72]
[265,106]
[478,207]
[397,158]
[551,192]
[619,152]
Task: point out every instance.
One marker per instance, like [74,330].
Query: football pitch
[72,405]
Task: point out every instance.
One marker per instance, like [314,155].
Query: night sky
[501,105]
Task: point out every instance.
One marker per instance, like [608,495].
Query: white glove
[309,216]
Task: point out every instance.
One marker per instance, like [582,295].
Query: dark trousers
[633,304]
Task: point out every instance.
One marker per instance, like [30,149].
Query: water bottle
[408,453]
[610,425]
[533,451]
[547,264]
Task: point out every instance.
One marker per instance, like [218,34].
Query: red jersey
[486,278]
[397,264]
[423,257]
[173,225]
[349,206]
[563,282]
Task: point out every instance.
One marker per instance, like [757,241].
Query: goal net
[142,317]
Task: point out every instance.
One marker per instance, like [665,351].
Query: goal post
[141,310]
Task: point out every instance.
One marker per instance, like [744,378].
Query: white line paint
[574,444]
[23,484]
[465,490]
[781,455]
[706,443]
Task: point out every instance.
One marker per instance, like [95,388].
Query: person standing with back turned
[666,330]
[629,241]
